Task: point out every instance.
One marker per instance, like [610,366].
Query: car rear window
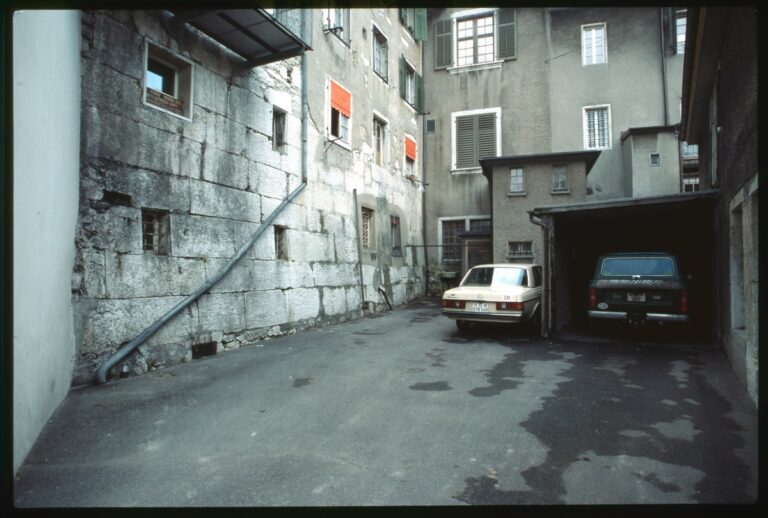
[624,266]
[496,277]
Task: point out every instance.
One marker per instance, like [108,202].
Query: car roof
[635,254]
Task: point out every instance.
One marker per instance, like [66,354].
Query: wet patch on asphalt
[622,409]
[434,386]
[438,356]
[300,382]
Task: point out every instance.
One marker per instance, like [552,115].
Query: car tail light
[592,297]
[509,306]
[453,303]
[684,301]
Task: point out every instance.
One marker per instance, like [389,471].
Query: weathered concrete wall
[645,179]
[510,211]
[46,122]
[219,177]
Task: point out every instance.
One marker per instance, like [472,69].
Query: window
[380,54]
[451,243]
[379,141]
[597,127]
[410,156]
[689,150]
[281,251]
[415,21]
[367,227]
[474,37]
[336,20]
[278,130]
[516,181]
[156,231]
[519,249]
[654,159]
[559,178]
[476,135]
[394,227]
[340,113]
[593,44]
[431,126]
[411,85]
[168,82]
[690,183]
[470,38]
[480,225]
[681,22]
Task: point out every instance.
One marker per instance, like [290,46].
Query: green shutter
[506,31]
[443,43]
[403,93]
[419,93]
[421,24]
[466,153]
[486,135]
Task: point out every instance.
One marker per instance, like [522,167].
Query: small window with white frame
[168,81]
[655,159]
[380,54]
[516,181]
[594,48]
[518,249]
[559,178]
[597,127]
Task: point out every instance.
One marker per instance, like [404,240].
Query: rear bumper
[503,318]
[623,315]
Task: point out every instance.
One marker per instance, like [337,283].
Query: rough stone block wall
[218,178]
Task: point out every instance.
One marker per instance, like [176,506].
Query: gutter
[123,352]
[546,307]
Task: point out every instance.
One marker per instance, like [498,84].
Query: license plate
[635,297]
[479,307]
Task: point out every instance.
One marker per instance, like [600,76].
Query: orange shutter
[341,99]
[410,148]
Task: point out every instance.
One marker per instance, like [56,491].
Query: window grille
[597,128]
[156,231]
[451,242]
[520,249]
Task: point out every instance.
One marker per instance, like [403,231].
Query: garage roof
[625,202]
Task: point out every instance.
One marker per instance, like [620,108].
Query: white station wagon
[501,293]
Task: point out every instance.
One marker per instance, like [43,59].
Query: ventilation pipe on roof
[122,353]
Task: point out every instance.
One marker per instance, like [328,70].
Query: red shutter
[341,99]
[410,148]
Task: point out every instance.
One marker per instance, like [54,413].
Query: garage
[576,235]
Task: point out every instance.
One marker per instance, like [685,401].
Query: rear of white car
[498,293]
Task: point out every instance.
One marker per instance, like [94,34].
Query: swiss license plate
[635,297]
[480,307]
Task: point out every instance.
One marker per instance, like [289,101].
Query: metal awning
[254,34]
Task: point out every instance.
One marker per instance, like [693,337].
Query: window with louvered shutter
[466,130]
[486,135]
[506,34]
[443,44]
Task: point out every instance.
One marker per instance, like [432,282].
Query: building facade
[188,149]
[721,56]
[529,81]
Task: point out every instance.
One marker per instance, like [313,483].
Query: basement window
[168,82]
[156,231]
[278,130]
[202,350]
[655,159]
[281,251]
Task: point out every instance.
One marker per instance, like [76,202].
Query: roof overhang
[589,157]
[620,203]
[253,34]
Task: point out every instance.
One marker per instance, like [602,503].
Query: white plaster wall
[46,129]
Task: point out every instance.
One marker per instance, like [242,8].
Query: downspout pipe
[546,288]
[122,353]
[663,64]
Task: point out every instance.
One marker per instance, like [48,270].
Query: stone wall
[218,177]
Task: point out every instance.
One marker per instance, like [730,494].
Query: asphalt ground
[401,410]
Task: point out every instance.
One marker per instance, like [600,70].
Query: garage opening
[682,225]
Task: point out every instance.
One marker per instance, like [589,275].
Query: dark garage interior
[679,224]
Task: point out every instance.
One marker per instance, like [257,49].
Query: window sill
[164,110]
[457,69]
[515,194]
[327,31]
[521,256]
[561,191]
[471,170]
[385,79]
[339,142]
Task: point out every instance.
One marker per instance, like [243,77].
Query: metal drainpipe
[663,65]
[101,374]
[424,186]
[359,252]
[545,322]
